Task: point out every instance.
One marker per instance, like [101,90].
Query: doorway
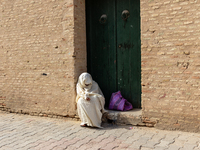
[114,47]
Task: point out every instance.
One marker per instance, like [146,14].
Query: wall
[37,51]
[80,38]
[170,32]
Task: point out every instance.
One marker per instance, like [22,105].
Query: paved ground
[39,133]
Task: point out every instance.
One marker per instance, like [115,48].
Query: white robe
[90,112]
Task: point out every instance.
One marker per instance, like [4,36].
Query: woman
[90,101]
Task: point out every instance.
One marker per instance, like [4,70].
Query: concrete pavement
[25,132]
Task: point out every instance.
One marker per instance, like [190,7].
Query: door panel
[113,47]
[128,50]
[101,45]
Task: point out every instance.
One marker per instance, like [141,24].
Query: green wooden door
[113,47]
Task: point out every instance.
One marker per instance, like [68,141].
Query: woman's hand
[88,99]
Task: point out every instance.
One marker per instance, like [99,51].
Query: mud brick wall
[38,54]
[170,31]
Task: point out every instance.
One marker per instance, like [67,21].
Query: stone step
[132,117]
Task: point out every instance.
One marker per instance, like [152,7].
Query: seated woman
[90,101]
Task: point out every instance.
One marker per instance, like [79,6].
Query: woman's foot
[84,125]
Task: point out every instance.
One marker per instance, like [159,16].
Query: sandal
[84,125]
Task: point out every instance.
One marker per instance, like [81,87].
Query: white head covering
[85,81]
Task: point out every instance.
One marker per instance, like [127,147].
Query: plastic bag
[117,102]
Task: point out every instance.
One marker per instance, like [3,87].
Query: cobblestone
[25,132]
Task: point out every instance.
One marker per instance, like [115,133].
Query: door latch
[103,19]
[125,15]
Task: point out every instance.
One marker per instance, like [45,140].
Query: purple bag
[117,102]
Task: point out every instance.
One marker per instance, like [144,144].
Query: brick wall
[37,52]
[80,38]
[170,32]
